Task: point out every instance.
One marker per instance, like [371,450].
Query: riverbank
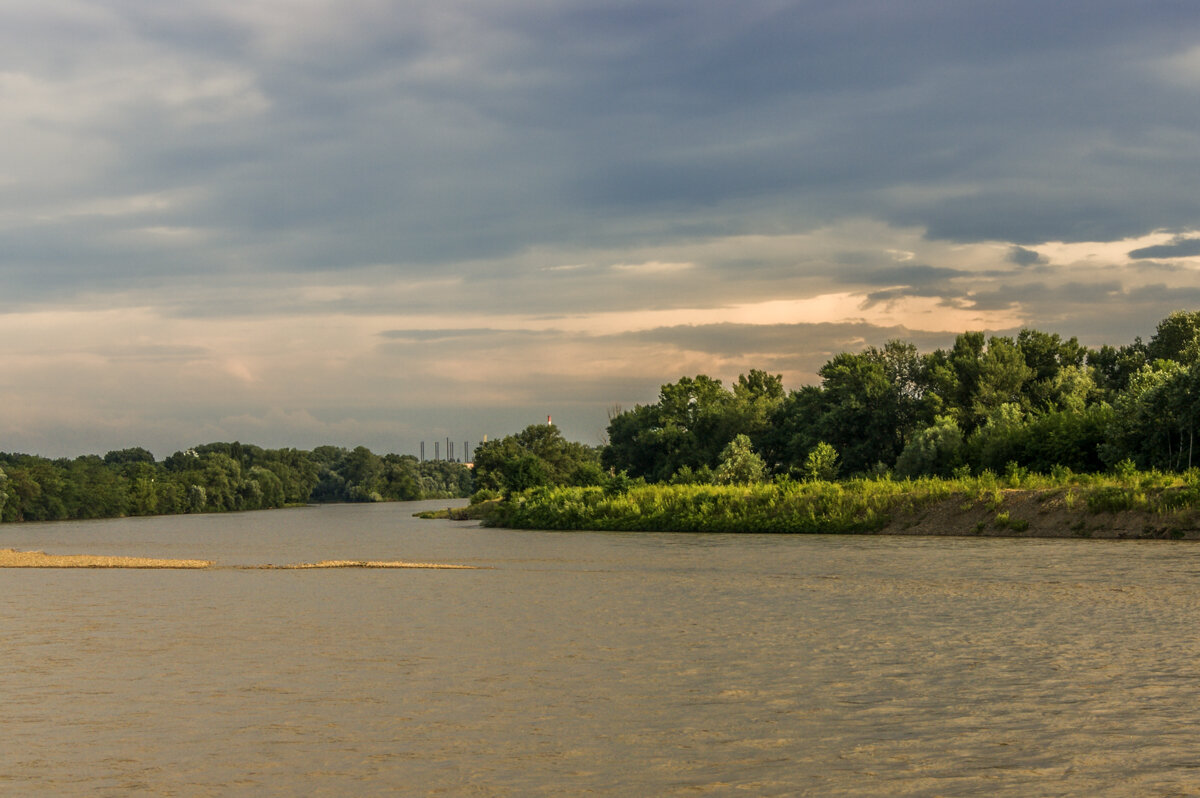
[1143,506]
[1041,514]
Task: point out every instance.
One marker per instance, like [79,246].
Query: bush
[821,465]
[484,495]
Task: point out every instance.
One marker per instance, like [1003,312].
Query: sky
[306,222]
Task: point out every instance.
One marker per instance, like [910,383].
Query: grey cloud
[381,143]
[606,124]
[813,343]
[889,295]
[1025,257]
[1040,295]
[156,353]
[1170,297]
[909,275]
[1179,248]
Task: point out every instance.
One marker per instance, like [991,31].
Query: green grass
[853,506]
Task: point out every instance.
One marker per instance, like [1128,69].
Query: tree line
[1035,402]
[215,477]
[1032,402]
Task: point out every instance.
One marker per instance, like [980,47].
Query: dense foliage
[1168,504]
[214,477]
[1037,401]
[536,456]
[787,506]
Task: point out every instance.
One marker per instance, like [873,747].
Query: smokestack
[549,421]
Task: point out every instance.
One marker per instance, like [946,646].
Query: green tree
[821,464]
[143,493]
[1113,367]
[860,412]
[363,472]
[134,455]
[537,455]
[1058,376]
[1147,418]
[740,465]
[1176,338]
[756,396]
[401,479]
[1001,439]
[689,426]
[936,450]
[1002,376]
[632,445]
[794,430]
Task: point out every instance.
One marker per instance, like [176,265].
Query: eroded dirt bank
[1057,513]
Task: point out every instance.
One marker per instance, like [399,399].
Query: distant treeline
[1033,402]
[213,478]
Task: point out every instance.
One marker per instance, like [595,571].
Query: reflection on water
[613,664]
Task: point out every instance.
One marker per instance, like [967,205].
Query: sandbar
[11,558]
[361,564]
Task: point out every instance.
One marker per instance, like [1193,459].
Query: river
[591,663]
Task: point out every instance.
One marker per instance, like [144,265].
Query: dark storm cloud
[428,134]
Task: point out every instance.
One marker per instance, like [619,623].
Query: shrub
[821,465]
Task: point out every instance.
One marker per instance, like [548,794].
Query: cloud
[653,267]
[1026,257]
[435,335]
[223,206]
[911,275]
[1178,248]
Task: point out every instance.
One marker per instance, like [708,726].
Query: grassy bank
[1139,505]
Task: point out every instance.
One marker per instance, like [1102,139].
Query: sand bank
[362,564]
[10,558]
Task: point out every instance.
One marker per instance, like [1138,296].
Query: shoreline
[1038,514]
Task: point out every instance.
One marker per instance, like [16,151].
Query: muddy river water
[599,664]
